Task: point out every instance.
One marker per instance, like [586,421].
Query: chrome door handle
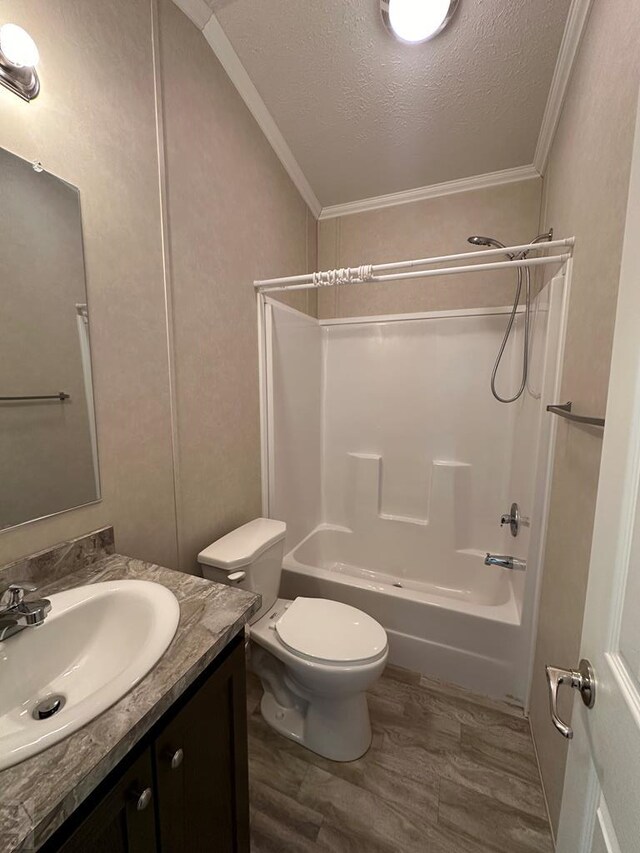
[581,679]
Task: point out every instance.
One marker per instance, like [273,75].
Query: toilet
[315,658]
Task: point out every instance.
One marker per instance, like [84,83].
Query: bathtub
[462,625]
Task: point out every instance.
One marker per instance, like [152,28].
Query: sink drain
[48,707]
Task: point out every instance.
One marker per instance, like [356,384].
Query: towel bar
[564,410]
[59,396]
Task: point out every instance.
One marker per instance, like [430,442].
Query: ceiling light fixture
[18,59]
[417,21]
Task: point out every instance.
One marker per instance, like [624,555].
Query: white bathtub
[382,431]
[460,626]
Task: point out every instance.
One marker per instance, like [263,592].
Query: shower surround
[390,461]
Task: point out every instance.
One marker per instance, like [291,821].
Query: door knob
[582,679]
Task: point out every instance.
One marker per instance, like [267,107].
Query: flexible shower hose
[525,349]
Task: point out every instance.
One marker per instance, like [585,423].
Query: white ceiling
[366,116]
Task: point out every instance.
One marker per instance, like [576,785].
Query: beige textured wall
[421,229]
[45,446]
[585,193]
[234,216]
[94,125]
[303,300]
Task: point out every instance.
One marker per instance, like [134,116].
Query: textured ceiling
[365,115]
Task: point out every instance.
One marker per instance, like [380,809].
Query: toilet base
[336,728]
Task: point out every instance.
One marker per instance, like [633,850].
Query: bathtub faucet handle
[512,518]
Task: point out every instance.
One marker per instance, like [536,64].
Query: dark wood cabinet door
[118,824]
[201,767]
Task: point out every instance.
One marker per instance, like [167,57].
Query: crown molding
[230,61]
[571,38]
[197,10]
[200,13]
[461,185]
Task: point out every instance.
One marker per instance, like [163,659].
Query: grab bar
[564,410]
[61,396]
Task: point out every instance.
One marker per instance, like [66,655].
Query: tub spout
[505,561]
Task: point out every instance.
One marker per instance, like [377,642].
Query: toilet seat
[330,631]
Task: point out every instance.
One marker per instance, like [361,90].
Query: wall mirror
[48,447]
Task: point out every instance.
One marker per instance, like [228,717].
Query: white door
[601,803]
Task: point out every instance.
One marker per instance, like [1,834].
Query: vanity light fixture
[416,21]
[18,59]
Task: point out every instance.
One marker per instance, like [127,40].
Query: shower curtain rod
[365,274]
[311,278]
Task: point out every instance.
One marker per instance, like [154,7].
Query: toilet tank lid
[244,544]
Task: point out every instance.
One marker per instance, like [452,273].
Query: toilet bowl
[315,658]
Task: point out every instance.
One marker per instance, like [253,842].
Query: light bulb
[414,21]
[18,47]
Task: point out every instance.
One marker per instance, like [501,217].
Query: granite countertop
[37,795]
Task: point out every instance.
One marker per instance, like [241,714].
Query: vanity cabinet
[201,773]
[184,788]
[117,824]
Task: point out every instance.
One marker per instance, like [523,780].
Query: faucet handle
[13,595]
[512,518]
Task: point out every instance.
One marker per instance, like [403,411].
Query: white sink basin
[97,642]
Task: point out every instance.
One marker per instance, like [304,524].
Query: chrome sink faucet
[505,561]
[16,613]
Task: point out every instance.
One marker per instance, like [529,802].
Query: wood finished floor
[446,773]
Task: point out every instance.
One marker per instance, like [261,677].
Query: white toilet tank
[255,549]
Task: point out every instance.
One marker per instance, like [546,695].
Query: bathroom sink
[97,642]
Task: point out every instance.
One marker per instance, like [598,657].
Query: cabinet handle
[174,758]
[141,798]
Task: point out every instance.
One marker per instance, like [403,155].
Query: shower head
[544,238]
[477,240]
